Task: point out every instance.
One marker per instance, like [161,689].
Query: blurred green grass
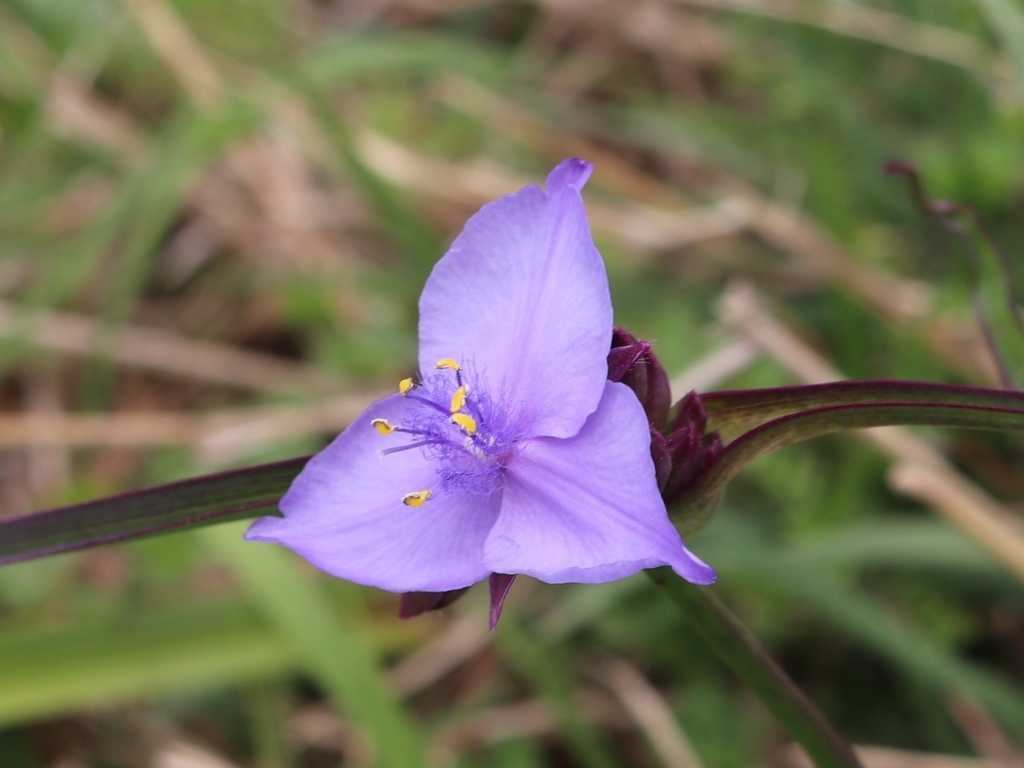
[279,176]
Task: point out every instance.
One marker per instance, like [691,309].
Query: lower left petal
[344,514]
[587,508]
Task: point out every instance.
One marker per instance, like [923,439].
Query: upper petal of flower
[587,509]
[344,513]
[523,294]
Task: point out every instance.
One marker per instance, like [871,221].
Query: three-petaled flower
[511,453]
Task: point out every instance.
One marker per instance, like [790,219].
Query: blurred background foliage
[215,220]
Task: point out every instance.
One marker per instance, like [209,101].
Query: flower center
[455,422]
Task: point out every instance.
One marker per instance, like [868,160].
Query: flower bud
[662,457]
[690,410]
[634,364]
[689,448]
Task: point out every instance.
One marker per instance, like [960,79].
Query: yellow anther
[417,499]
[464,420]
[447,364]
[405,385]
[383,426]
[459,398]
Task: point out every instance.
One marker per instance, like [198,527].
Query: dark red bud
[622,359]
[712,447]
[662,458]
[636,379]
[634,364]
[690,410]
[690,449]
[686,449]
[622,338]
[414,603]
[659,393]
[499,583]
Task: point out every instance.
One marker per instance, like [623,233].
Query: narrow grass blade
[157,192]
[332,649]
[910,650]
[421,243]
[739,649]
[541,665]
[241,493]
[817,577]
[344,59]
[47,672]
[1006,20]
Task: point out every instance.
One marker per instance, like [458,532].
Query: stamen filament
[399,448]
[425,401]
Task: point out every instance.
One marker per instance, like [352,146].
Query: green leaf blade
[48,672]
[232,495]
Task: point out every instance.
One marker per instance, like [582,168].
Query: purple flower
[511,453]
